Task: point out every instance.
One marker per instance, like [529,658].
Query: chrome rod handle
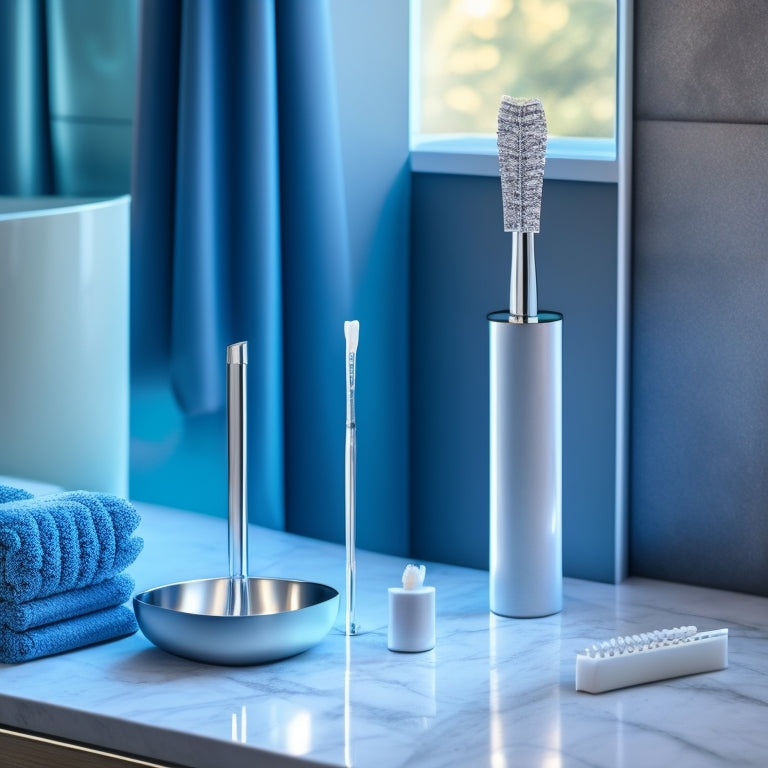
[237,360]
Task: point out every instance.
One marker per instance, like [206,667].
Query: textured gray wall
[699,495]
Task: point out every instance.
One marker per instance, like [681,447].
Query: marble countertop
[494,692]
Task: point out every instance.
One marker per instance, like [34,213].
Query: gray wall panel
[701,60]
[701,195]
[699,438]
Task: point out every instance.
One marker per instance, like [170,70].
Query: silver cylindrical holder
[526,573]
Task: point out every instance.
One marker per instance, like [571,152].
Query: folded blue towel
[38,543]
[20,617]
[59,542]
[115,519]
[52,544]
[20,533]
[8,493]
[126,519]
[95,627]
[96,534]
[120,517]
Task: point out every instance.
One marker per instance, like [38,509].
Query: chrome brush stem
[523,299]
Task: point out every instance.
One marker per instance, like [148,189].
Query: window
[467,53]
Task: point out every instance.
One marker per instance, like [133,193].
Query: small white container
[412,613]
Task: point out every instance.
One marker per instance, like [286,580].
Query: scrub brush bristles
[522,144]
[351,334]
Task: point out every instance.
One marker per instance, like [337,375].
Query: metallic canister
[526,573]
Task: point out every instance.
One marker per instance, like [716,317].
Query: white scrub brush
[651,656]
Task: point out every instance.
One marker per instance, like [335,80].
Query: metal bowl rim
[141,596]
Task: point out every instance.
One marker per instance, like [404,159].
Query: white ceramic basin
[64,341]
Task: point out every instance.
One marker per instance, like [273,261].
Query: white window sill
[567,159]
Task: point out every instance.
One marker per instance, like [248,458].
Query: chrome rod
[237,360]
[523,299]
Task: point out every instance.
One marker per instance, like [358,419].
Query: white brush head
[522,143]
[351,334]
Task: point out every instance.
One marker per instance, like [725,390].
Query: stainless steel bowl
[237,620]
[278,618]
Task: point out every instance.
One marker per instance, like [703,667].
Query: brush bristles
[646,641]
[522,143]
[351,334]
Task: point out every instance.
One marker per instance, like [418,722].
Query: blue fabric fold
[20,617]
[9,493]
[58,541]
[87,542]
[97,536]
[52,544]
[21,553]
[124,521]
[96,627]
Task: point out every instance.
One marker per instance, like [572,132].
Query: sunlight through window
[467,53]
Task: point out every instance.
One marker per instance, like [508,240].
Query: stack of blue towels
[62,579]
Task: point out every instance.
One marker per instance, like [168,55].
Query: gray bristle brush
[522,143]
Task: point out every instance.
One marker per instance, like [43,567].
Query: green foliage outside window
[471,52]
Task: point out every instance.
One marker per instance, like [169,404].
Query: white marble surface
[493,692]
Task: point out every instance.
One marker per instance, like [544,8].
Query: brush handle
[523,297]
[350,475]
[350,470]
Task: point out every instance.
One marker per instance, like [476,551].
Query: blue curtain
[239,232]
[66,97]
[239,228]
[25,151]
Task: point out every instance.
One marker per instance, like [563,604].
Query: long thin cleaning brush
[352,335]
[650,656]
[522,144]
